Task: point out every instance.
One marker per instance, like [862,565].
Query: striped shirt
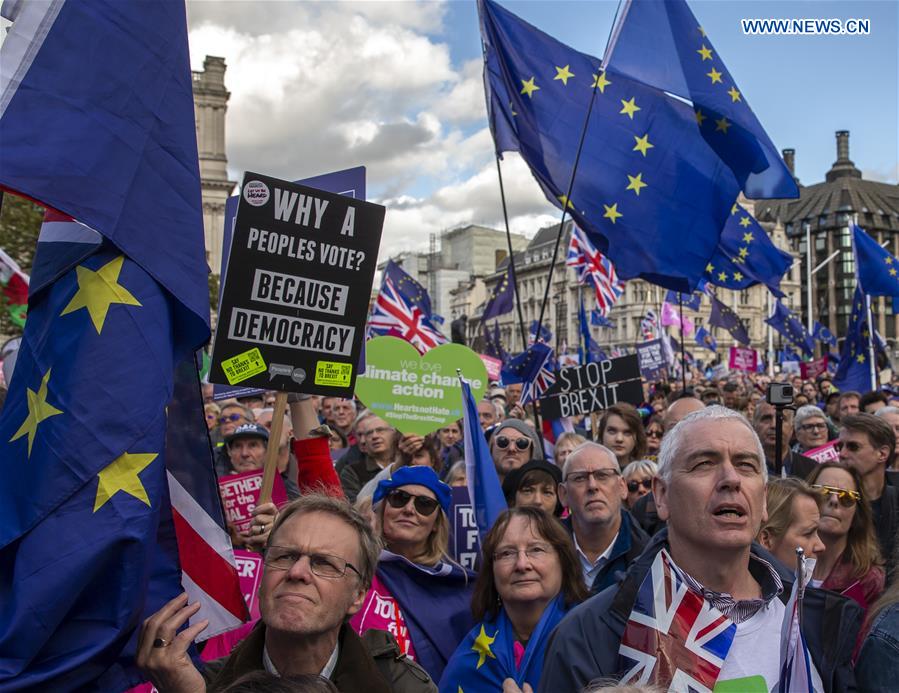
[743,609]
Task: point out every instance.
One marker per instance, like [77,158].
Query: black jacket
[629,544]
[585,644]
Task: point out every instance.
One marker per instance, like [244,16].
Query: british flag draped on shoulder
[674,638]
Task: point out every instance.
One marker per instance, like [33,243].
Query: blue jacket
[585,644]
[629,544]
[878,663]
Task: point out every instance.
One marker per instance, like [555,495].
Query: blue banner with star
[487,656]
[878,270]
[788,325]
[647,189]
[854,369]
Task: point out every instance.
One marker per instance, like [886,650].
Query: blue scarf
[436,605]
[486,657]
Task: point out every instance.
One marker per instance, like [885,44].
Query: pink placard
[825,453]
[494,366]
[743,359]
[240,494]
[812,369]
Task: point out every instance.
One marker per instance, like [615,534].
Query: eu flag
[533,368]
[725,318]
[854,369]
[661,44]
[600,320]
[746,256]
[503,298]
[706,340]
[644,175]
[589,349]
[878,270]
[823,335]
[546,335]
[99,124]
[785,323]
[692,300]
[493,345]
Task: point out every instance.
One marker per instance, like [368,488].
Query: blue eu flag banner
[785,323]
[878,270]
[854,369]
[503,299]
[644,174]
[600,320]
[692,300]
[82,432]
[662,45]
[746,256]
[493,345]
[725,318]
[589,350]
[546,335]
[706,340]
[483,484]
[823,335]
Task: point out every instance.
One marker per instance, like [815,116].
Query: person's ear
[660,496]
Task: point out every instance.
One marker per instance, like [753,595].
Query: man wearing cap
[512,444]
[246,447]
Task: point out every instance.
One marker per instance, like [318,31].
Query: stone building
[827,210]
[210,107]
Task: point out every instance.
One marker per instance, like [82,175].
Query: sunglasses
[654,434]
[423,505]
[502,442]
[633,486]
[845,497]
[230,417]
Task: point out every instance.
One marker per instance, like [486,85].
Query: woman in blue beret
[418,593]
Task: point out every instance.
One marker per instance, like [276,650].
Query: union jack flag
[594,268]
[649,325]
[534,369]
[403,309]
[674,638]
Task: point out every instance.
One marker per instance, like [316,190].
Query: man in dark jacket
[711,490]
[319,562]
[606,539]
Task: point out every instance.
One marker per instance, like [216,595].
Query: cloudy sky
[396,86]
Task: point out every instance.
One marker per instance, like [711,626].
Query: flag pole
[683,349]
[502,195]
[270,466]
[809,318]
[770,338]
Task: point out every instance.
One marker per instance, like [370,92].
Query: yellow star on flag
[748,237]
[888,260]
[99,290]
[565,201]
[636,183]
[745,221]
[734,94]
[612,212]
[39,409]
[122,475]
[628,108]
[722,276]
[738,276]
[601,82]
[528,87]
[705,52]
[733,210]
[564,74]
[744,252]
[643,144]
[722,125]
[482,645]
[860,358]
[701,31]
[714,75]
[700,117]
[892,271]
[710,268]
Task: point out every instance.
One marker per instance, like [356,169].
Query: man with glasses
[512,445]
[606,538]
[232,415]
[811,428]
[319,563]
[867,445]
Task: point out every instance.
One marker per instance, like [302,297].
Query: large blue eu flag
[661,44]
[648,190]
[746,256]
[99,124]
[503,298]
[878,270]
[724,317]
[788,325]
[854,369]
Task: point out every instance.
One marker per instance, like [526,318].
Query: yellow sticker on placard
[333,374]
[243,366]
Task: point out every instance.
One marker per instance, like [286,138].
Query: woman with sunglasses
[621,430]
[528,581]
[418,593]
[850,562]
[638,476]
[654,432]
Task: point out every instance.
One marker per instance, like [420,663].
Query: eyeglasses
[322,564]
[851,446]
[231,417]
[654,434]
[423,505]
[634,485]
[534,554]
[600,476]
[502,442]
[380,430]
[814,427]
[211,415]
[845,497]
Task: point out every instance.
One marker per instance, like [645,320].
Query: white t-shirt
[755,653]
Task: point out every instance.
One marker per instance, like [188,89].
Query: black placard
[296,294]
[595,374]
[577,402]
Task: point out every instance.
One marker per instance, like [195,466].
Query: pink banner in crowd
[812,369]
[671,316]
[742,359]
[494,366]
[240,494]
[825,453]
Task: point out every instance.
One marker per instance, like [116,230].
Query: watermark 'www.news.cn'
[810,27]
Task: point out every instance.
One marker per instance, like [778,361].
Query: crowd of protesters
[361,590]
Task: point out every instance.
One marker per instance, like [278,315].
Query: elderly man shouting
[711,490]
